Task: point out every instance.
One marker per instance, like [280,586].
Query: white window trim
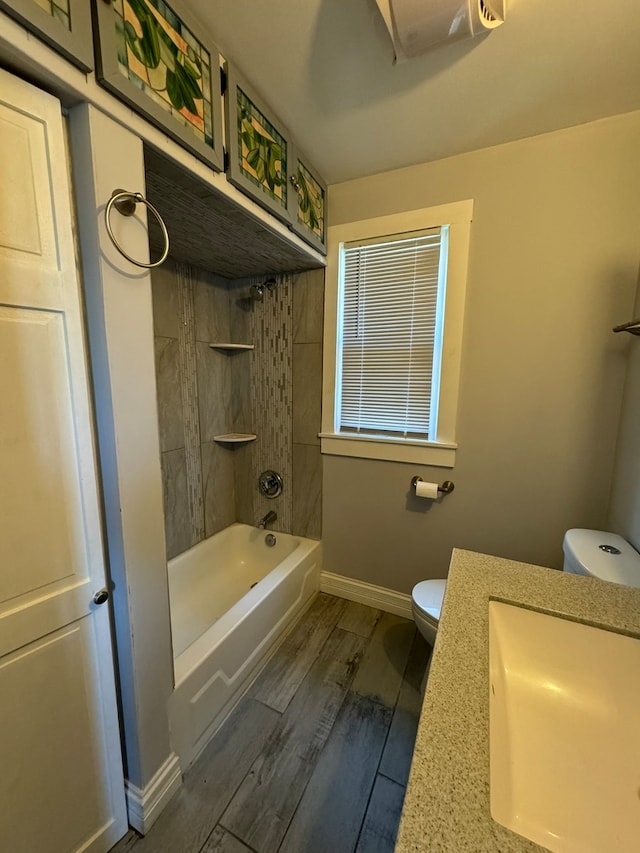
[442,452]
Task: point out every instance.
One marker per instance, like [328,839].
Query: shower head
[256,291]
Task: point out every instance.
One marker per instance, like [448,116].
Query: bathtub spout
[269,517]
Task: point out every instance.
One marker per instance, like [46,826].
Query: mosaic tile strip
[189,387]
[272,379]
[162,57]
[262,151]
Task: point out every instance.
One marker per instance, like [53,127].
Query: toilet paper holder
[445,488]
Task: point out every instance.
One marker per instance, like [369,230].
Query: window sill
[390,450]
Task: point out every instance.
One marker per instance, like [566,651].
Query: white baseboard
[145,804]
[367,593]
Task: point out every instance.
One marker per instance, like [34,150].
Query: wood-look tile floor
[315,757]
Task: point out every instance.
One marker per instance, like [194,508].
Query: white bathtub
[232,597]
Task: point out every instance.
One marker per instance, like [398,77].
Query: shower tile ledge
[235,437]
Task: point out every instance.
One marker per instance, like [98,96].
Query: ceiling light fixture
[416,26]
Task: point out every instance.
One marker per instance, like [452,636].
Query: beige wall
[553,266]
[624,511]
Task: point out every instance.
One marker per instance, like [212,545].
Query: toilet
[592,553]
[602,555]
[426,604]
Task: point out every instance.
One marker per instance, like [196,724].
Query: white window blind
[392,311]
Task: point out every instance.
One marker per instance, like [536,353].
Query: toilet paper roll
[426,490]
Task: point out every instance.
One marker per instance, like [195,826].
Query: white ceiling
[326,68]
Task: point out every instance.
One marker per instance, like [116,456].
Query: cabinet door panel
[61,786]
[308,202]
[176,86]
[259,146]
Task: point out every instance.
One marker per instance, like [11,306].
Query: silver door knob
[101,596]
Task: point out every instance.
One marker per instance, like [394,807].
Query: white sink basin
[564,732]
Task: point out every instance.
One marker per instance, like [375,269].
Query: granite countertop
[446,807]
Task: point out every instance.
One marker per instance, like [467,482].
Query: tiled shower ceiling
[208,231]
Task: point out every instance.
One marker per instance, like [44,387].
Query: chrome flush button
[609,549]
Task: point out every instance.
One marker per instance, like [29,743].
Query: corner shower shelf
[229,348]
[235,437]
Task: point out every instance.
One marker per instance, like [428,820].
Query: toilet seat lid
[428,596]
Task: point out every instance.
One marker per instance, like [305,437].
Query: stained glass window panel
[310,202]
[262,151]
[160,56]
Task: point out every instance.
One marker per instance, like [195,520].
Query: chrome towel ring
[125,203]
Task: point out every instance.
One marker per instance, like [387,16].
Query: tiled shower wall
[308,312]
[273,391]
[190,309]
[279,391]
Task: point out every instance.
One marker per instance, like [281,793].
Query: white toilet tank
[598,554]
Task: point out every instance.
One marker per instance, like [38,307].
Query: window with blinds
[391,309]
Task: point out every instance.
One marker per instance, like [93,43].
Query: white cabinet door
[61,780]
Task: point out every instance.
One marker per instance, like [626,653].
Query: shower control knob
[101,596]
[270,484]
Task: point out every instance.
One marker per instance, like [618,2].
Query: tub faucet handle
[270,484]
